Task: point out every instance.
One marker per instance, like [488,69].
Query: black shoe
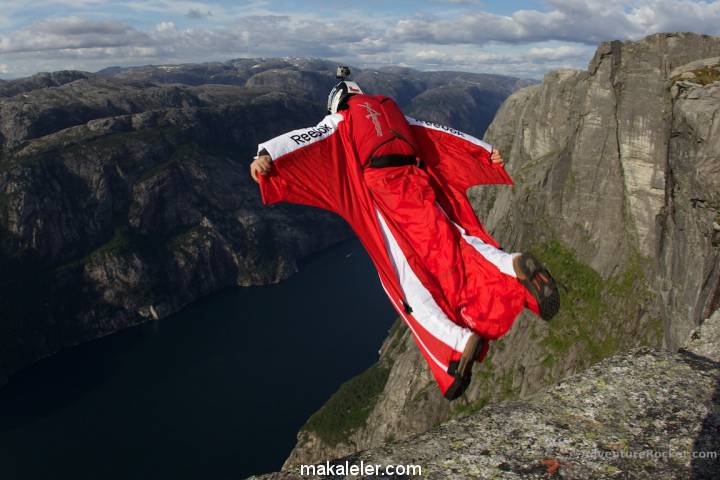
[462,369]
[541,285]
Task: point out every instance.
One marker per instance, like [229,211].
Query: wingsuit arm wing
[456,158]
[307,166]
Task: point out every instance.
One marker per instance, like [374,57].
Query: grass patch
[702,76]
[349,407]
[593,311]
[470,408]
[120,242]
[706,75]
[581,304]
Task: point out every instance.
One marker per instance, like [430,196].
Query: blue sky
[521,38]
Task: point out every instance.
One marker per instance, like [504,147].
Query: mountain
[454,98]
[617,189]
[40,81]
[638,414]
[125,195]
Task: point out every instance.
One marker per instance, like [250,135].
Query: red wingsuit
[441,270]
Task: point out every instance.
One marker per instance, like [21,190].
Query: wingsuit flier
[401,184]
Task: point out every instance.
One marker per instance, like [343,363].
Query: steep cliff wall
[616,189]
[642,414]
[125,218]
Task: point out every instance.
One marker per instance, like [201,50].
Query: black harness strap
[392,160]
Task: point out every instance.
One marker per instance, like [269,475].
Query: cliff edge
[641,414]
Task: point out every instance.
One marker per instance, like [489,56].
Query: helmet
[340,93]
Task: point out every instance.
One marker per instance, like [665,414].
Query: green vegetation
[581,305]
[706,75]
[702,76]
[593,312]
[470,408]
[121,242]
[349,407]
[483,374]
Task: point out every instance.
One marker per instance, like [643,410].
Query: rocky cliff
[616,171]
[125,195]
[642,414]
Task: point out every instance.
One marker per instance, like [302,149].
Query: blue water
[216,391]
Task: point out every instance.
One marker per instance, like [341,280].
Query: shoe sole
[537,279]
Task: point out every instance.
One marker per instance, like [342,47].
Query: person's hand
[496,157]
[261,165]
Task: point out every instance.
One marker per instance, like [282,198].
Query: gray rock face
[40,81]
[689,226]
[616,184]
[131,217]
[640,414]
[125,195]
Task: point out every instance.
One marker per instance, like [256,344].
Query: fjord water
[216,391]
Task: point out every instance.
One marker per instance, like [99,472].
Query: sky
[523,38]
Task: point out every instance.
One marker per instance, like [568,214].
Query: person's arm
[297,166]
[496,157]
[261,165]
[457,158]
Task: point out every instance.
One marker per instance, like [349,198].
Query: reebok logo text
[310,134]
[442,127]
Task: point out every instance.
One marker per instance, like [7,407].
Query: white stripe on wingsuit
[450,130]
[284,144]
[501,259]
[400,309]
[425,310]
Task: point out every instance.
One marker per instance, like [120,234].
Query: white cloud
[4,68]
[581,21]
[70,32]
[528,41]
[447,58]
[562,52]
[164,27]
[532,62]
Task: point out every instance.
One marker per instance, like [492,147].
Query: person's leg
[449,348]
[500,258]
[472,289]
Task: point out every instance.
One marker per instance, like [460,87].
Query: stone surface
[638,415]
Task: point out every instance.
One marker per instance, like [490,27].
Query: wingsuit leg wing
[319,166]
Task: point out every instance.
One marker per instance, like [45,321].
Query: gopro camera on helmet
[343,72]
[342,90]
